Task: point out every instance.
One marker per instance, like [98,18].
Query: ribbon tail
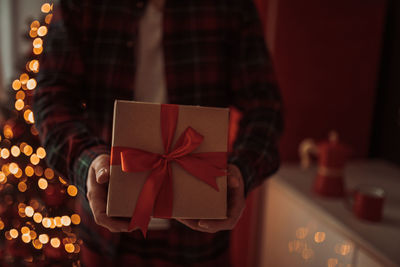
[163,206]
[145,203]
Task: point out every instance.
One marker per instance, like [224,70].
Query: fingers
[102,175]
[101,167]
[236,204]
[98,176]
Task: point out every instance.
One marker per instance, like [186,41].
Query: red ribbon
[157,193]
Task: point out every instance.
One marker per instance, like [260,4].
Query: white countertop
[382,239]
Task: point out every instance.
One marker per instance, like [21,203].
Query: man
[195,52]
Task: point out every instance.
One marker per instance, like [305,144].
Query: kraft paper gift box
[142,132]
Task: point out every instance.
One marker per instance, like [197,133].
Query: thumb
[102,175]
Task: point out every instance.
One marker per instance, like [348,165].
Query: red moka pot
[332,157]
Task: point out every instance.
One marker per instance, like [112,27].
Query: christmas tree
[37,218]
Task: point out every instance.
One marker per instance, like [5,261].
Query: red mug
[368,202]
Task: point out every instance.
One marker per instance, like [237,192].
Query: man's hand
[99,174]
[236,205]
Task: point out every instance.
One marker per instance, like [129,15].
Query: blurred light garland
[35,223]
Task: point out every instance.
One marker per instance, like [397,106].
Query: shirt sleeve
[58,103]
[256,95]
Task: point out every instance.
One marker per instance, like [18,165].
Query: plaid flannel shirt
[214,54]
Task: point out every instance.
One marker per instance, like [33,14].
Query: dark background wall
[386,126]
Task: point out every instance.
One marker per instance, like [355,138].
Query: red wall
[326,57]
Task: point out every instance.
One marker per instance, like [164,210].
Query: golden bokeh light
[14,233]
[55,242]
[31,84]
[62,180]
[34,65]
[42,183]
[57,221]
[31,119]
[45,8]
[49,173]
[343,248]
[319,237]
[27,113]
[34,159]
[22,186]
[46,222]
[3,177]
[37,217]
[20,95]
[5,153]
[48,18]
[77,248]
[37,42]
[24,78]
[15,151]
[52,223]
[7,235]
[38,51]
[25,230]
[7,131]
[18,174]
[16,85]
[66,220]
[33,234]
[19,104]
[41,152]
[33,33]
[29,211]
[76,219]
[13,167]
[72,190]
[42,31]
[69,248]
[35,24]
[1,225]
[43,238]
[29,171]
[27,150]
[38,170]
[36,243]
[26,238]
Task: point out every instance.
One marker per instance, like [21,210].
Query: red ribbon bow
[157,192]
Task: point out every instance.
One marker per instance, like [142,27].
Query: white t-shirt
[150,85]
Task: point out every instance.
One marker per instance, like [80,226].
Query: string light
[29,211]
[46,8]
[55,242]
[15,151]
[69,248]
[43,238]
[42,183]
[14,233]
[76,219]
[20,95]
[37,217]
[23,187]
[41,152]
[5,153]
[36,211]
[16,85]
[49,173]
[72,190]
